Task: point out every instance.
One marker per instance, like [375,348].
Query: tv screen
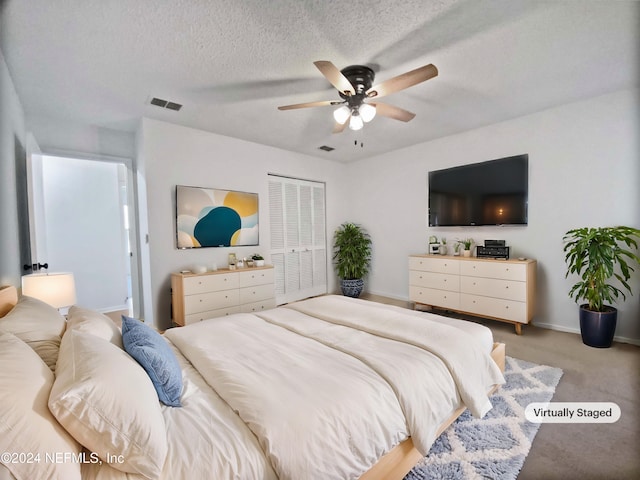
[487,193]
[208,217]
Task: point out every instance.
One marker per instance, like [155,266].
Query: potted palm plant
[598,257]
[352,257]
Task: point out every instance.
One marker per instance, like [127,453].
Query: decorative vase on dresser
[497,289]
[197,297]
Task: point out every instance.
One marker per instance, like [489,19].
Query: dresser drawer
[258,306]
[441,281]
[210,301]
[494,307]
[492,287]
[209,283]
[255,293]
[256,277]
[497,269]
[221,312]
[435,264]
[434,297]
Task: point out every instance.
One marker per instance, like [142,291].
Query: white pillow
[28,431]
[89,321]
[37,324]
[108,403]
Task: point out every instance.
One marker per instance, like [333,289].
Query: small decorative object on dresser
[497,289]
[443,250]
[466,243]
[223,292]
[434,245]
[258,260]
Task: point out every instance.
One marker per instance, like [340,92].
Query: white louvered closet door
[298,239]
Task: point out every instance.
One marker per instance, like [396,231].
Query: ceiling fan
[355,86]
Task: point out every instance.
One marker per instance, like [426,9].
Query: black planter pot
[352,288]
[598,328]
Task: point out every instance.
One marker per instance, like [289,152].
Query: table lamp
[56,289]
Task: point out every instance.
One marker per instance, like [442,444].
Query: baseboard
[116,308]
[389,295]
[560,328]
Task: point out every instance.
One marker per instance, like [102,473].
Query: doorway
[81,225]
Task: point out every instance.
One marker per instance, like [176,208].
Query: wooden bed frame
[398,462]
[395,464]
[8,299]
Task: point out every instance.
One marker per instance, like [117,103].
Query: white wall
[12,135]
[584,170]
[171,155]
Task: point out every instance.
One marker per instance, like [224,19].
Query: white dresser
[498,289]
[196,297]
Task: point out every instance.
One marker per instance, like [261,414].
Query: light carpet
[495,446]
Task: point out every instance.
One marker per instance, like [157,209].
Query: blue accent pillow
[152,351]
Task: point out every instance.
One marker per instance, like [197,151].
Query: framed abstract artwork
[208,217]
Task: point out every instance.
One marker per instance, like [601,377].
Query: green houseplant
[466,244]
[352,257]
[598,257]
[258,260]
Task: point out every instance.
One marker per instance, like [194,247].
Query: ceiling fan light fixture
[341,114]
[367,112]
[356,122]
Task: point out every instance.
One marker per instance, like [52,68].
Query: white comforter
[320,389]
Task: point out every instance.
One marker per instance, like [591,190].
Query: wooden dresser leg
[518,329]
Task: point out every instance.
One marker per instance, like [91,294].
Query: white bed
[330,387]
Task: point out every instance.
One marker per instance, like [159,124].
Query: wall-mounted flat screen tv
[209,217]
[487,193]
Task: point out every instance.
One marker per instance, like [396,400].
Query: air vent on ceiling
[173,106]
[326,148]
[158,102]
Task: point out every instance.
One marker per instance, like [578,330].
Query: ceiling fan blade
[339,127]
[335,76]
[406,80]
[390,111]
[323,103]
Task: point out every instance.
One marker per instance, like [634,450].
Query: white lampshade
[356,122]
[367,112]
[56,289]
[341,114]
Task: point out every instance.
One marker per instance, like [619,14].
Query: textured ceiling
[232,62]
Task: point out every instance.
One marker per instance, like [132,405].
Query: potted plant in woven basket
[604,265]
[352,257]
